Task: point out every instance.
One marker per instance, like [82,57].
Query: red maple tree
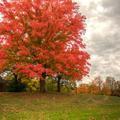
[43,37]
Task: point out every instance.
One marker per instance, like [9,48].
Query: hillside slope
[28,106]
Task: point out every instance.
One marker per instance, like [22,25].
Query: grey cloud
[105,44]
[112,8]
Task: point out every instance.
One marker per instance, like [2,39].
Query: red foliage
[43,36]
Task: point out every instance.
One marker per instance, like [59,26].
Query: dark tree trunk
[42,86]
[58,83]
[43,83]
[16,77]
[58,86]
[1,87]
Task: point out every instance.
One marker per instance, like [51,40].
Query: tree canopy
[43,36]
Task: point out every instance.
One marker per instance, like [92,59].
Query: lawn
[54,106]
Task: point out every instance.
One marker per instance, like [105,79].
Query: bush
[93,89]
[16,86]
[82,89]
[106,90]
[51,84]
[116,92]
[32,85]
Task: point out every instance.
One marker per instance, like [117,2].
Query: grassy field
[28,106]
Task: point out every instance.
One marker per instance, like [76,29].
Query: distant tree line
[98,86]
[9,82]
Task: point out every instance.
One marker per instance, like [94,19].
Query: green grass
[28,106]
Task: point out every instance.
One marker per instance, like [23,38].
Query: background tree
[116,91]
[40,38]
[98,82]
[110,82]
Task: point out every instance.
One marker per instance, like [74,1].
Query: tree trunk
[42,86]
[58,86]
[15,76]
[43,83]
[58,83]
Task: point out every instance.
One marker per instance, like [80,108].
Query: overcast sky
[103,35]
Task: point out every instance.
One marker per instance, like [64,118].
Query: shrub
[106,90]
[93,89]
[16,86]
[32,85]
